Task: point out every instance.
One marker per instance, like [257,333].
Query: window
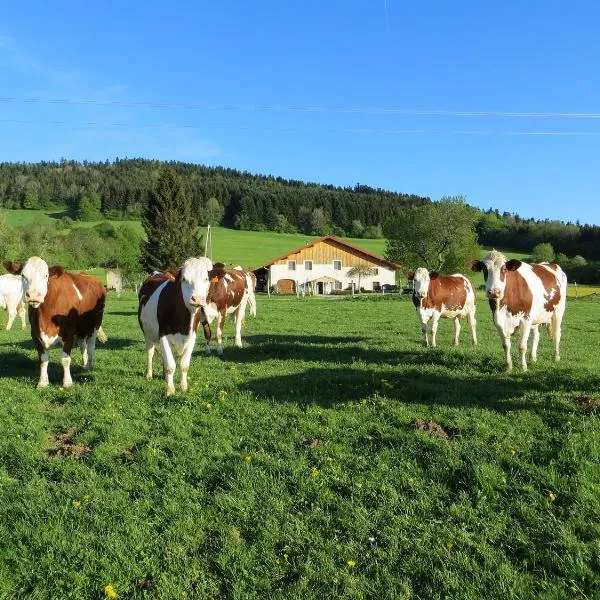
[308,265]
[376,286]
[375,271]
[291,265]
[338,285]
[337,265]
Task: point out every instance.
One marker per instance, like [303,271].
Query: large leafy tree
[439,236]
[171,225]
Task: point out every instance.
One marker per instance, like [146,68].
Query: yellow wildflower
[76,504]
[512,450]
[208,405]
[248,459]
[110,591]
[314,472]
[222,395]
[351,564]
[551,496]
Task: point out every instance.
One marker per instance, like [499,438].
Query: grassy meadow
[251,249]
[296,467]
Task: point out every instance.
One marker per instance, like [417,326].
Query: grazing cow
[525,295]
[169,312]
[11,298]
[231,290]
[448,296]
[63,307]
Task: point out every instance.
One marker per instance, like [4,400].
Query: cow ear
[13,267]
[218,265]
[513,264]
[433,275]
[476,265]
[56,271]
[410,275]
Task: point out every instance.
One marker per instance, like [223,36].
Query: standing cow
[11,298]
[525,295]
[63,307]
[231,290]
[169,312]
[448,296]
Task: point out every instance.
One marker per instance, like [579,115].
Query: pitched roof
[351,247]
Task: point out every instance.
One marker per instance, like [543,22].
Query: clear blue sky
[336,92]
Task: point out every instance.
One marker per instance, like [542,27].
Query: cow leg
[168,363]
[84,352]
[556,324]
[21,312]
[207,337]
[535,340]
[12,314]
[91,350]
[505,338]
[150,347]
[525,331]
[220,327]
[65,359]
[44,359]
[456,330]
[185,362]
[239,320]
[424,328]
[473,325]
[434,325]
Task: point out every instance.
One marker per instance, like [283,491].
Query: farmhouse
[322,267]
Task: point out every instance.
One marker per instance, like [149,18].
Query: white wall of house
[301,275]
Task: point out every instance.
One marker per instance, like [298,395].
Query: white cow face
[495,267]
[421,282]
[36,274]
[195,281]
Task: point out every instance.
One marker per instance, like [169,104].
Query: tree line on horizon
[216,195]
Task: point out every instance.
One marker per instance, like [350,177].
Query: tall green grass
[292,469]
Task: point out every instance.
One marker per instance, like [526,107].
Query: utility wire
[307,108]
[365,131]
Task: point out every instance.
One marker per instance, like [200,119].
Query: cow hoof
[42,384]
[238,344]
[67,384]
[170,391]
[184,388]
[557,359]
[220,350]
[148,375]
[206,351]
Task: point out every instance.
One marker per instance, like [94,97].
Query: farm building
[322,267]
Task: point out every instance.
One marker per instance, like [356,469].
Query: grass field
[292,468]
[250,249]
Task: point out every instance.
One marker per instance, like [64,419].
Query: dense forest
[120,190]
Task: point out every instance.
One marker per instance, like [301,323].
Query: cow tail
[101,335]
[251,296]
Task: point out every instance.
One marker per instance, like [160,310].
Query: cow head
[421,279]
[495,267]
[194,281]
[35,273]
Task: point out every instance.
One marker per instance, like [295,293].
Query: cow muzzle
[198,301]
[494,293]
[34,300]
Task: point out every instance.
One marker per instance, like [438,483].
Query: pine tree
[170,224]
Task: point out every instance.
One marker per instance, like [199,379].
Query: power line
[366,131]
[307,108]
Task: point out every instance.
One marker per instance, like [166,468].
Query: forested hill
[120,189]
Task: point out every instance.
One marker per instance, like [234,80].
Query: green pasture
[293,469]
[250,249]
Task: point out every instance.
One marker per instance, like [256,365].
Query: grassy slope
[247,248]
[339,496]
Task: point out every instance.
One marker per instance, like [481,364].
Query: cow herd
[520,295]
[68,308]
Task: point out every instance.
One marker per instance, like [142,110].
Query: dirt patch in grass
[434,429]
[63,445]
[312,442]
[589,404]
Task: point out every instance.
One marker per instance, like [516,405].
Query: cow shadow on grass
[412,385]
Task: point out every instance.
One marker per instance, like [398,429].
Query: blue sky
[336,92]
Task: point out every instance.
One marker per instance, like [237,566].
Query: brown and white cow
[169,313]
[525,295]
[63,307]
[11,298]
[448,296]
[231,290]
